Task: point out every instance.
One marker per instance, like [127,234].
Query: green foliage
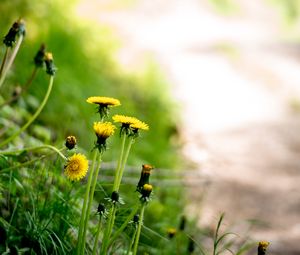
[83,53]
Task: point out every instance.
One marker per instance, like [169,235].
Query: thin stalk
[118,178]
[34,116]
[120,174]
[97,236]
[4,60]
[36,148]
[132,241]
[11,59]
[138,233]
[86,197]
[9,190]
[119,163]
[108,230]
[90,202]
[124,225]
[31,78]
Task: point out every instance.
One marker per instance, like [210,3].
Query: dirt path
[239,87]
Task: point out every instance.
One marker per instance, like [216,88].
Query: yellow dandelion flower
[76,167]
[103,103]
[126,120]
[130,125]
[103,130]
[139,125]
[107,101]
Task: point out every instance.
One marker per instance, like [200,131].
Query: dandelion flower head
[76,167]
[139,125]
[105,101]
[103,130]
[125,120]
[130,125]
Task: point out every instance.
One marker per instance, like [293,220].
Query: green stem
[86,197]
[124,225]
[90,202]
[108,230]
[36,148]
[118,177]
[31,78]
[11,59]
[34,116]
[9,191]
[120,174]
[4,60]
[116,181]
[132,241]
[97,236]
[138,233]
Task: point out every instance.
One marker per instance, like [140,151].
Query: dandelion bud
[17,29]
[191,246]
[136,218]
[145,175]
[70,142]
[262,247]
[115,197]
[50,68]
[182,223]
[171,232]
[146,191]
[39,57]
[101,209]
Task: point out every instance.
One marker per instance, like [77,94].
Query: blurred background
[217,80]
